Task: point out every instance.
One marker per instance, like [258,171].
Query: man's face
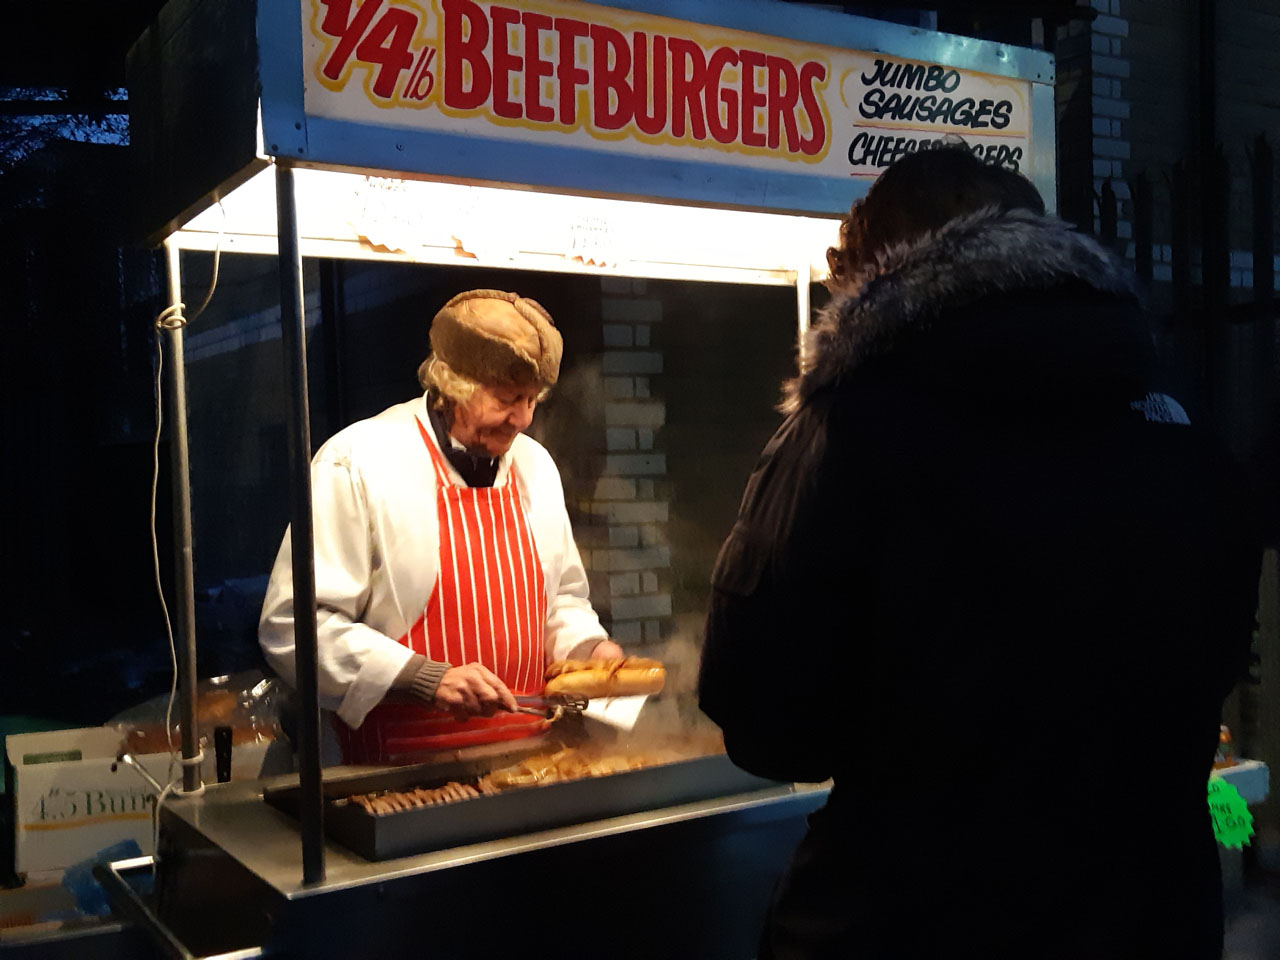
[490,420]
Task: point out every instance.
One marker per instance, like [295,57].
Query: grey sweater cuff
[421,676]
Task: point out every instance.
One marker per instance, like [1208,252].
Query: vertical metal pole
[803,307]
[294,335]
[180,480]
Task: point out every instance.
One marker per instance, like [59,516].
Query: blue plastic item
[91,899]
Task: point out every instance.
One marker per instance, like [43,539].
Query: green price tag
[1232,821]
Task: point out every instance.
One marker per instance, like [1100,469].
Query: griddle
[515,811]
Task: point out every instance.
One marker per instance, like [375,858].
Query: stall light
[349,215]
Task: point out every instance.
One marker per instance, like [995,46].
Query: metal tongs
[553,708]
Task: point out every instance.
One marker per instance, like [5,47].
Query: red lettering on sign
[569,75]
[811,74]
[535,68]
[599,76]
[470,52]
[611,64]
[717,93]
[504,61]
[687,86]
[650,98]
[751,98]
[387,45]
[338,22]
[414,89]
[784,91]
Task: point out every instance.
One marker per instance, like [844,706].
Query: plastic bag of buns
[246,702]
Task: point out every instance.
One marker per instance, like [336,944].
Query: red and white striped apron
[488,606]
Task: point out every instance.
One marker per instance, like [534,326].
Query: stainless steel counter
[266,841]
[231,877]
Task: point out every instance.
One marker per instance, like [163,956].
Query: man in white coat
[446,572]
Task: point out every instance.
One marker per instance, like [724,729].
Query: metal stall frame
[202,42]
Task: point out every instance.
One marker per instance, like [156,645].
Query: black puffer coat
[993,582]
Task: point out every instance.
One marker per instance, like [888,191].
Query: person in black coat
[990,578]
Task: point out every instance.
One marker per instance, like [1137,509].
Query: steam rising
[571,425]
[672,718]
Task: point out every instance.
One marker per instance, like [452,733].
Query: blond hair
[444,383]
[448,387]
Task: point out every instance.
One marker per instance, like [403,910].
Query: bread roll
[589,679]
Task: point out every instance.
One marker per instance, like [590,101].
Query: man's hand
[607,650]
[472,690]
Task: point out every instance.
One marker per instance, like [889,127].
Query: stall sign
[615,81]
[899,106]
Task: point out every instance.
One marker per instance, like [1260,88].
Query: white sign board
[625,83]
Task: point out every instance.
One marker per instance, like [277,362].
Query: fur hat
[495,337]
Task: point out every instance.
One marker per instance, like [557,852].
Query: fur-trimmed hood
[971,258]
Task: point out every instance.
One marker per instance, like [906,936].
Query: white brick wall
[635,518]
[634,558]
[632,361]
[619,335]
[624,584]
[632,511]
[615,488]
[619,388]
[624,537]
[619,439]
[648,414]
[634,608]
[628,465]
[631,310]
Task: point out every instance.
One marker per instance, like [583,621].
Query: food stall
[536,135]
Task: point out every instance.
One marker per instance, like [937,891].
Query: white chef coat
[377,556]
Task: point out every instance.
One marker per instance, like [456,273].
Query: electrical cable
[171,318]
[171,315]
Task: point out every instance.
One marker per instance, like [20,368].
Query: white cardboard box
[69,803]
[1250,777]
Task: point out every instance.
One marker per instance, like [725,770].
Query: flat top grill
[672,777]
[265,839]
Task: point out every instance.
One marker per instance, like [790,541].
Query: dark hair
[917,195]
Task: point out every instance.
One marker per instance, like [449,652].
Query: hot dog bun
[589,679]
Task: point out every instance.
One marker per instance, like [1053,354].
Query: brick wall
[1147,102]
[630,552]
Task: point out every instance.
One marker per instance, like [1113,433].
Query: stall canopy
[746,104]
